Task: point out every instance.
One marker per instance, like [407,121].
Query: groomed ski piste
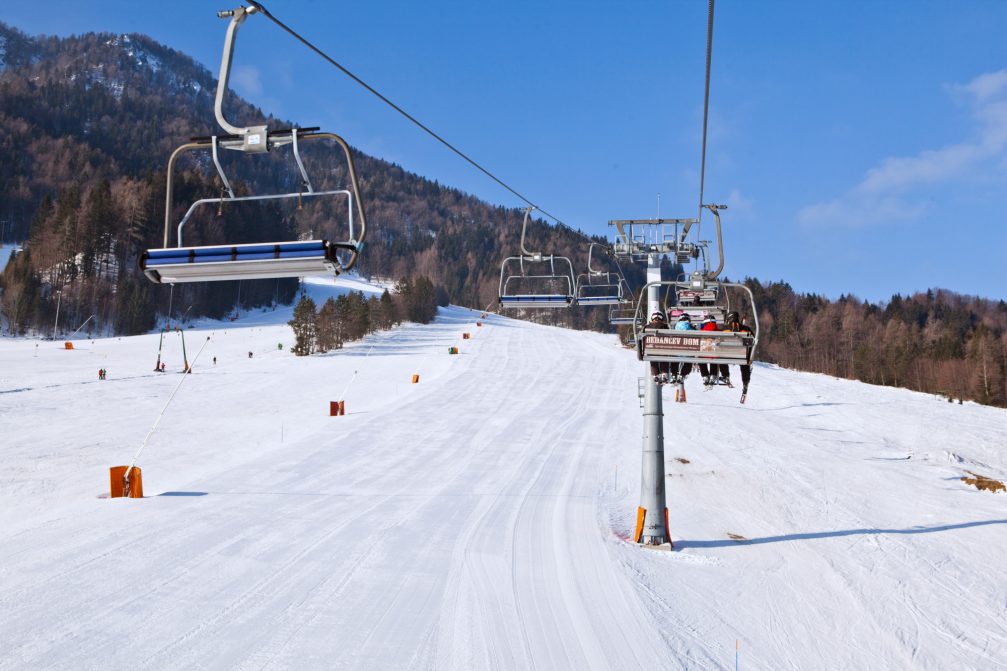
[478,519]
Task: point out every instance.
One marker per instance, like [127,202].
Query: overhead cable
[706,103]
[265,12]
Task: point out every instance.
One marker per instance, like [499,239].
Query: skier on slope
[733,324]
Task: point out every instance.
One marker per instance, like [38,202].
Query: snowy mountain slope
[477,519]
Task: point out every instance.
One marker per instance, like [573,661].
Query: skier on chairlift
[680,371]
[733,324]
[657,369]
[711,371]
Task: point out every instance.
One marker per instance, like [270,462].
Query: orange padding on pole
[667,529]
[416,378]
[641,513]
[337,408]
[117,482]
[479,323]
[68,345]
[466,336]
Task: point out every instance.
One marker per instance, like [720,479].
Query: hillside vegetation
[87,124]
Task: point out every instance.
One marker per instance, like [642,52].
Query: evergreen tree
[327,327]
[388,314]
[304,325]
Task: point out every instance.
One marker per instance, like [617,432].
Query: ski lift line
[290,31]
[346,389]
[161,415]
[80,327]
[706,104]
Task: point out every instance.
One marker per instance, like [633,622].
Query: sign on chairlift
[680,342]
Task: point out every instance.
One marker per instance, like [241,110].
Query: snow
[478,519]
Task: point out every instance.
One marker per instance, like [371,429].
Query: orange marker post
[117,482]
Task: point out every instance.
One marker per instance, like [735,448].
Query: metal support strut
[652,524]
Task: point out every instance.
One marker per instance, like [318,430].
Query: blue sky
[861,146]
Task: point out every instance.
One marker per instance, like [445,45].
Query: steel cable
[706,104]
[265,12]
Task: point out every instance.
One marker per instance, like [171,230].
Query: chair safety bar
[694,346]
[536,301]
[669,345]
[279,196]
[526,299]
[240,262]
[599,300]
[622,317]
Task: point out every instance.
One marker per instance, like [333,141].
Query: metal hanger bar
[220,170]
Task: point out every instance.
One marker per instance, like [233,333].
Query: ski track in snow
[479,519]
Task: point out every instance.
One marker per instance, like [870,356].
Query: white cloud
[985,86]
[887,191]
[738,204]
[246,80]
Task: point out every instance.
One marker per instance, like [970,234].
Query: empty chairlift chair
[256,260]
[697,297]
[623,313]
[532,280]
[598,287]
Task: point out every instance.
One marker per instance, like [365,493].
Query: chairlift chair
[697,297]
[695,346]
[598,287]
[529,288]
[624,313]
[260,259]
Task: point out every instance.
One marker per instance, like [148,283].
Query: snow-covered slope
[478,519]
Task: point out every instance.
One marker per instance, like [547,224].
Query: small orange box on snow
[117,482]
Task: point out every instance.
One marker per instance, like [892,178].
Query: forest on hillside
[88,123]
[936,341]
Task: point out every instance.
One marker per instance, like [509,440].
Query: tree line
[351,316]
[936,341]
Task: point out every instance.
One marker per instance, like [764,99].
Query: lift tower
[638,241]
